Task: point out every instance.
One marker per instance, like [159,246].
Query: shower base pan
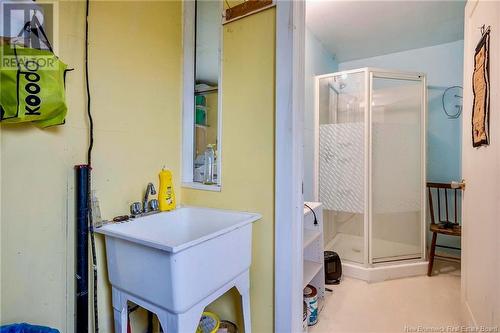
[350,250]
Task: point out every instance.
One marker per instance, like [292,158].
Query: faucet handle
[153,205]
[136,208]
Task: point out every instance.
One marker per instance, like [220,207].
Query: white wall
[443,65]
[317,61]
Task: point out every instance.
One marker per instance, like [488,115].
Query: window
[202,94]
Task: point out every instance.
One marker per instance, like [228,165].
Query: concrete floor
[402,305]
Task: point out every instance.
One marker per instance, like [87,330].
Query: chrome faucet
[150,189]
[146,207]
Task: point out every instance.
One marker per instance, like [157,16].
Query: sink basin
[175,259]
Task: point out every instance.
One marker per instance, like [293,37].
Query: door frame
[289,199]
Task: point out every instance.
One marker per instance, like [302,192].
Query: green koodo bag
[31,86]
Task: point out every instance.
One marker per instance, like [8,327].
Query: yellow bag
[31,86]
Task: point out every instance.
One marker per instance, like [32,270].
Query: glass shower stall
[370,165]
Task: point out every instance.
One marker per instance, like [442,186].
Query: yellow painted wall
[248,115]
[136,59]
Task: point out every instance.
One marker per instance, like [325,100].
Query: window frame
[188,111]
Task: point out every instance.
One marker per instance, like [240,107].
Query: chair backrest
[445,192]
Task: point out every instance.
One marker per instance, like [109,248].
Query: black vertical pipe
[82,248]
[150,322]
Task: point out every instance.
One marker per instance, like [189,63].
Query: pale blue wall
[443,65]
[317,61]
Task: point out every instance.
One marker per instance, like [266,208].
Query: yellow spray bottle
[166,195]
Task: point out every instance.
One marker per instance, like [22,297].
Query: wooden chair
[442,224]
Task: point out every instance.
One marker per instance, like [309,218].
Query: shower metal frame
[369,74]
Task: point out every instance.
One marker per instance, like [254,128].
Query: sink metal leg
[120,311]
[180,323]
[186,322]
[120,321]
[245,300]
[243,286]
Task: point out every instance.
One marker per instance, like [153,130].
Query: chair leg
[432,253]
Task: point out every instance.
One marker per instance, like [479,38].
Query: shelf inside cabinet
[311,268]
[310,236]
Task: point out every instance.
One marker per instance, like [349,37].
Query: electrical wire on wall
[87,208]
[89,162]
[89,224]
[314,213]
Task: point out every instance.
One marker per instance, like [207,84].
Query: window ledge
[200,186]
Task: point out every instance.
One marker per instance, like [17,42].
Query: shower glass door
[397,167]
[341,113]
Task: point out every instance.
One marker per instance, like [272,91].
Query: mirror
[206,96]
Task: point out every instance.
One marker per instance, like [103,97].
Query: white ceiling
[360,29]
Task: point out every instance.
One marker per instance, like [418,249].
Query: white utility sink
[175,263]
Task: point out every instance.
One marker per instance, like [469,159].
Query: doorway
[384,219]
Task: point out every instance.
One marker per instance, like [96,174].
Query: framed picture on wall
[481,91]
[245,8]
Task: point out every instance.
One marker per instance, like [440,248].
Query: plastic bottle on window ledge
[209,174]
